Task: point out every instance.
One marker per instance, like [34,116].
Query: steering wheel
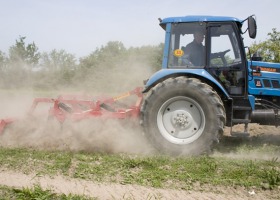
[222,56]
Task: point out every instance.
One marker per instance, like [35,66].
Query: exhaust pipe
[266,117]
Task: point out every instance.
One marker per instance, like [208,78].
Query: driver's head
[198,36]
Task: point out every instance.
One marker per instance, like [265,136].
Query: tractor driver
[195,51]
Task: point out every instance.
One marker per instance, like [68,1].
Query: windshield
[187,45]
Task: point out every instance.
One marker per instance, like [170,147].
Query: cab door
[225,58]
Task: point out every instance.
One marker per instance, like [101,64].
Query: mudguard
[165,73]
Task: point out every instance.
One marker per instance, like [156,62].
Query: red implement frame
[79,107]
[5,122]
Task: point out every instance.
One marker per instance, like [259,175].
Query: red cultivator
[4,123]
[79,107]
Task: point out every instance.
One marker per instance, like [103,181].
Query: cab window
[187,45]
[225,60]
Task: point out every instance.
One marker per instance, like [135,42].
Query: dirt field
[117,138]
[117,191]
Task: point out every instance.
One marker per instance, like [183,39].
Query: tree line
[26,67]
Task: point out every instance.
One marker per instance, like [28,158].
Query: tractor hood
[264,78]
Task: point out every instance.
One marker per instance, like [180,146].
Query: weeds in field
[272,177]
[37,193]
[154,171]
[145,197]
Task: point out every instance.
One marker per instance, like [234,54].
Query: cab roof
[199,18]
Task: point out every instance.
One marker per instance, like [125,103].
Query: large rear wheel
[182,116]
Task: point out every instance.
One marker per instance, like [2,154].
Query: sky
[81,26]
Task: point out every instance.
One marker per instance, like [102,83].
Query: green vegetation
[154,171]
[270,48]
[36,193]
[31,69]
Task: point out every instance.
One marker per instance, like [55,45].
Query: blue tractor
[206,83]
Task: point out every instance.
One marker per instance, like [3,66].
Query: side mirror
[252,27]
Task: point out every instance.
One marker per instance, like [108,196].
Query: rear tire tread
[203,88]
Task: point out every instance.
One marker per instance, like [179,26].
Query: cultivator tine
[65,107]
[36,101]
[4,123]
[107,107]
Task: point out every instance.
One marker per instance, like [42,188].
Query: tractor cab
[211,43]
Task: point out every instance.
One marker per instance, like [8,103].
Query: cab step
[240,134]
[241,121]
[241,108]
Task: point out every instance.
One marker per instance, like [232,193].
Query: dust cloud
[101,134]
[262,144]
[95,134]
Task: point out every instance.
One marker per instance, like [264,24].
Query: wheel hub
[181,119]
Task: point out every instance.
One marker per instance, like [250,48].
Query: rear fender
[166,73]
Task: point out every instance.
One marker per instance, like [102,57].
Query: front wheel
[182,116]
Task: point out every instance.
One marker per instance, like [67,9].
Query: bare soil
[104,191]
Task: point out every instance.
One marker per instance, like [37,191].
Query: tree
[21,61]
[269,49]
[3,67]
[3,62]
[58,60]
[149,55]
[22,55]
[57,69]
[106,56]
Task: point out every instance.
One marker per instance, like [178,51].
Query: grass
[154,171]
[36,193]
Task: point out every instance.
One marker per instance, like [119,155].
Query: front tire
[182,116]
